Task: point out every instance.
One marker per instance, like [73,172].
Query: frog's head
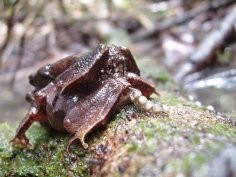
[42,77]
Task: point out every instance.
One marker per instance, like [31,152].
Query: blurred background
[186,47]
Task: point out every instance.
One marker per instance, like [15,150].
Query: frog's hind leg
[32,116]
[139,92]
[145,87]
[94,110]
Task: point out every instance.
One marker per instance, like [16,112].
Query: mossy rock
[47,156]
[189,141]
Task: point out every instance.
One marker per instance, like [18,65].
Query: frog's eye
[42,77]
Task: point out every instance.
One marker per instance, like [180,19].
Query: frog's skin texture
[78,94]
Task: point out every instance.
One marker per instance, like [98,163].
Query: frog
[81,93]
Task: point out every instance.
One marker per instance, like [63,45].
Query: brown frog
[79,93]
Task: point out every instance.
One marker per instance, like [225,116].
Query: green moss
[186,163]
[170,99]
[151,130]
[182,147]
[133,146]
[48,157]
[223,130]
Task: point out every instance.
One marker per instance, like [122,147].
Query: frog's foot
[80,137]
[22,141]
[142,102]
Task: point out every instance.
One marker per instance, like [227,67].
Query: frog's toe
[22,141]
[80,138]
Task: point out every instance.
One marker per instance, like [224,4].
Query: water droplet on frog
[60,82]
[47,73]
[48,66]
[75,98]
[88,126]
[34,110]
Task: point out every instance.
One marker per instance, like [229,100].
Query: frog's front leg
[32,116]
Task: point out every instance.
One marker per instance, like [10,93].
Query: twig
[63,7]
[27,23]
[10,24]
[19,61]
[215,42]
[214,6]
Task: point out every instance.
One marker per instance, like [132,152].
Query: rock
[186,142]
